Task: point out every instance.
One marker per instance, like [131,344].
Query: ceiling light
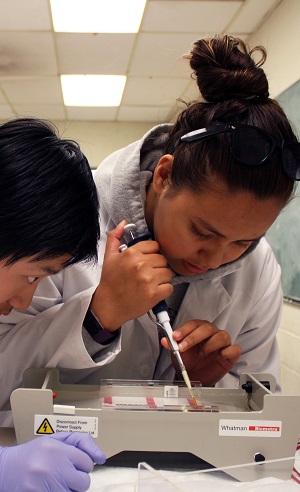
[97,15]
[92,90]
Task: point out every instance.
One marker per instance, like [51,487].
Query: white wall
[99,139]
[281,37]
[289,345]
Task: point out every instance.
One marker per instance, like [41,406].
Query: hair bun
[225,69]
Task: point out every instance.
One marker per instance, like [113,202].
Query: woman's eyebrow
[209,228]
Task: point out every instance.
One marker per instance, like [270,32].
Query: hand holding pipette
[131,283]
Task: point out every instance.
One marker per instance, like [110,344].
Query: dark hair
[234,89]
[49,204]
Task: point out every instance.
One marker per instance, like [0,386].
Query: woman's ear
[162,172]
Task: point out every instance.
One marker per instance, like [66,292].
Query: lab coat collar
[198,303]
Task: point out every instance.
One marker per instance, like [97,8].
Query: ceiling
[33,56]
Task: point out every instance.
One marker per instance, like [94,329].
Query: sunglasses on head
[253,146]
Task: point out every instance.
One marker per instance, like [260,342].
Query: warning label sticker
[250,428]
[48,424]
[45,428]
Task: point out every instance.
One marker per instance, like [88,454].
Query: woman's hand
[132,282]
[206,351]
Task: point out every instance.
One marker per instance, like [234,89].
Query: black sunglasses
[253,146]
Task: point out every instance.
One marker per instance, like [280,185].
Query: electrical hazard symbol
[45,428]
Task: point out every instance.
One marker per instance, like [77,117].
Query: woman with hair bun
[207,188]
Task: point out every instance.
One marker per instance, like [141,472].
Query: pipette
[163,320]
[161,312]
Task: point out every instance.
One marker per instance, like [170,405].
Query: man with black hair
[48,220]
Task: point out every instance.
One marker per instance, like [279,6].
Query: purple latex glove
[56,463]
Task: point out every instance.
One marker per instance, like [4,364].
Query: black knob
[258,458]
[247,386]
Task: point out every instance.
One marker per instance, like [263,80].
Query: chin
[179,270]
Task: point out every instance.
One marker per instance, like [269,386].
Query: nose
[212,258]
[23,299]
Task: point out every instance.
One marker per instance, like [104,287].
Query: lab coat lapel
[203,300]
